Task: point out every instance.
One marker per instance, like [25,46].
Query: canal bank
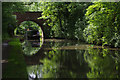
[13,64]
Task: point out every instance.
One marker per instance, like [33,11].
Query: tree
[64,18]
[8,20]
[103,28]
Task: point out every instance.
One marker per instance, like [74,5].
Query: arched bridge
[32,16]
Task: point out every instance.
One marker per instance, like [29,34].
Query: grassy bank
[16,67]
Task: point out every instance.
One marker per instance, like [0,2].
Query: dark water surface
[71,59]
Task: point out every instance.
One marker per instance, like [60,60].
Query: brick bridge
[31,16]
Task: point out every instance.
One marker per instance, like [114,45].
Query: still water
[70,59]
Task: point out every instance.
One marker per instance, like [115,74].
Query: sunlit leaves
[104,16]
[62,18]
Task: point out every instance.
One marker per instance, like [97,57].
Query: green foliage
[66,19]
[8,20]
[103,28]
[28,25]
[32,6]
[14,42]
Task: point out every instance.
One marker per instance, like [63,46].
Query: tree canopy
[103,19]
[96,23]
[66,18]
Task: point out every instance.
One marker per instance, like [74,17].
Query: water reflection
[31,47]
[63,61]
[34,71]
[103,63]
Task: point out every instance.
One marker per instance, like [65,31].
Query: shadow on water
[71,59]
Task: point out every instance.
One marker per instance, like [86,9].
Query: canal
[60,58]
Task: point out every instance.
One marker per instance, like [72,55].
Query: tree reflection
[28,49]
[103,63]
[77,63]
[63,63]
[34,71]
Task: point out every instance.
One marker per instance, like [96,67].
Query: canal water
[61,58]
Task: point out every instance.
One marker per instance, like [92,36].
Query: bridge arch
[30,16]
